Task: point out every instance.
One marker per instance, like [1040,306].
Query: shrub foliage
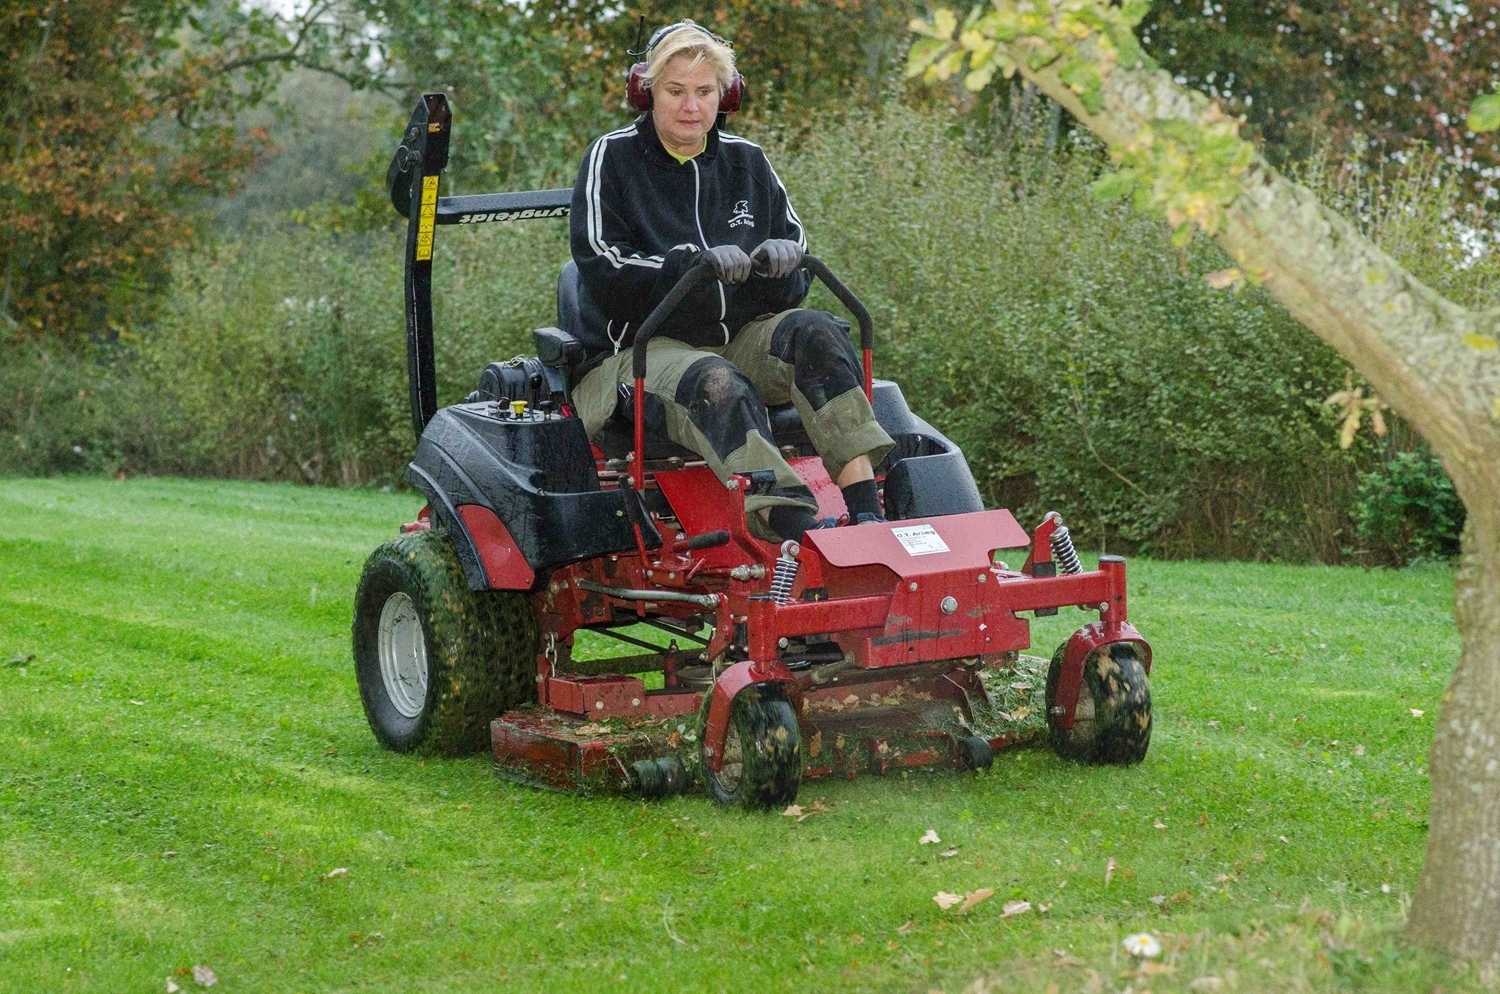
[1081,361]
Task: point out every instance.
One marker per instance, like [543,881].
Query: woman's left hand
[777,258]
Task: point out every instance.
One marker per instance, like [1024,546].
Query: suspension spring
[1063,551]
[785,575]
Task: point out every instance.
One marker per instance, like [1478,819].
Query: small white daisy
[1142,944]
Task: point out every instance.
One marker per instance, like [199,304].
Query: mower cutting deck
[859,650]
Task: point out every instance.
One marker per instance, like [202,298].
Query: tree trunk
[1457,906]
[1415,348]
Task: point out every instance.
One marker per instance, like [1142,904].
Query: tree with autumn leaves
[119,117]
[1178,154]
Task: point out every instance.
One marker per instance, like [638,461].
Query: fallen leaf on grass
[1417,712]
[1013,908]
[905,929]
[1158,899]
[857,939]
[139,704]
[1225,878]
[337,871]
[930,836]
[1203,820]
[1223,279]
[1158,824]
[1109,871]
[946,900]
[21,659]
[976,897]
[948,853]
[204,976]
[800,813]
[172,987]
[1065,959]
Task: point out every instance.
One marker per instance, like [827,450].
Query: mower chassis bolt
[949,604]
[981,578]
[912,586]
[1103,607]
[783,642]
[731,484]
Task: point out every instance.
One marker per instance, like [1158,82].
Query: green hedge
[1082,363]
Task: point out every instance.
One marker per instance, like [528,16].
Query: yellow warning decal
[427,219]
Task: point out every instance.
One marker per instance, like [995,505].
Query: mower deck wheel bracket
[403,655]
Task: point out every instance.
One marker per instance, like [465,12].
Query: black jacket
[639,218]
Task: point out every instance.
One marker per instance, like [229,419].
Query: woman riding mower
[650,198]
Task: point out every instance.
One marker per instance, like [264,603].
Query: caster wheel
[1112,722]
[762,766]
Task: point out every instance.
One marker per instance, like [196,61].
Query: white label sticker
[920,540]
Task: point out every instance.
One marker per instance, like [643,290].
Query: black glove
[777,258]
[731,264]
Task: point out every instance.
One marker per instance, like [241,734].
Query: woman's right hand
[730,263]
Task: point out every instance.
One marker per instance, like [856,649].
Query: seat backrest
[577,314]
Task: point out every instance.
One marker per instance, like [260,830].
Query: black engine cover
[536,473]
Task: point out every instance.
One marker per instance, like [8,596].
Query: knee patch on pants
[816,345]
[722,402]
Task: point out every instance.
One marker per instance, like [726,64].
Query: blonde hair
[689,38]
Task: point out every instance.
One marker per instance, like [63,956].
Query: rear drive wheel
[763,753]
[1112,723]
[435,661]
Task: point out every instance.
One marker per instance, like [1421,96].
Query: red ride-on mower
[859,650]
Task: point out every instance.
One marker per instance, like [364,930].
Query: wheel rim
[403,655]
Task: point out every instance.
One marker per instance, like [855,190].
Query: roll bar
[413,177]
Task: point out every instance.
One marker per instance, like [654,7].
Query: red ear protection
[638,94]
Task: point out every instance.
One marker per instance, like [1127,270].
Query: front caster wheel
[1112,722]
[763,753]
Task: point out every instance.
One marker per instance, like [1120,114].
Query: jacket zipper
[698,219]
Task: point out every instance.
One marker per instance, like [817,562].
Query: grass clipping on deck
[1017,707]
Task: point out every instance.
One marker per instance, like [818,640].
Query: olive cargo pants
[713,400]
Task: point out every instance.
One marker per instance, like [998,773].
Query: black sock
[862,498]
[791,521]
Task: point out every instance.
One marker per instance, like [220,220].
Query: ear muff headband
[638,94]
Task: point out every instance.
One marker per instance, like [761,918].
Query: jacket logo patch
[742,215]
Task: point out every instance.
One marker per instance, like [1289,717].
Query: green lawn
[185,760]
